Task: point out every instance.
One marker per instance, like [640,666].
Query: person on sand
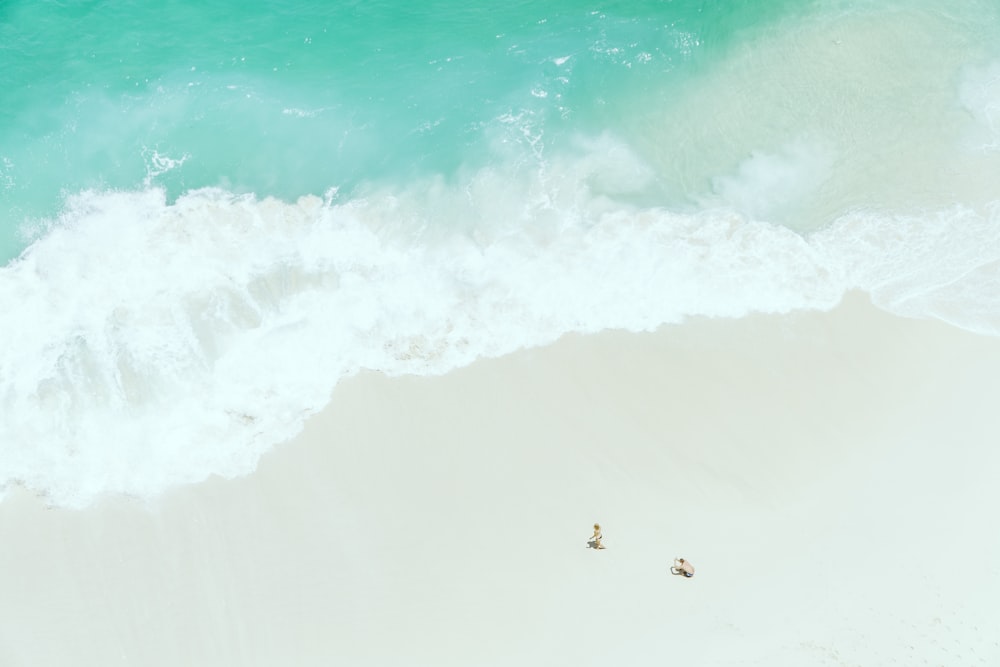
[595,540]
[682,566]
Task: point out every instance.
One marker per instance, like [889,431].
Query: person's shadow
[592,544]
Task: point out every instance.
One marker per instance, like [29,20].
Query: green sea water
[288,99]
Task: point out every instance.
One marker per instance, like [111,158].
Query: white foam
[149,344]
[943,264]
[158,164]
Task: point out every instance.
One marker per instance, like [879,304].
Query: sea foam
[150,343]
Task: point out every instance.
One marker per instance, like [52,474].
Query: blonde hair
[597,526]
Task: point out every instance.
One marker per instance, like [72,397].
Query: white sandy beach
[832,477]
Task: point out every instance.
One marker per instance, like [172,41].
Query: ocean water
[213,212]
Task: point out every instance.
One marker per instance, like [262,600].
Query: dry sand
[832,477]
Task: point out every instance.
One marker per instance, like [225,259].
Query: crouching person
[682,567]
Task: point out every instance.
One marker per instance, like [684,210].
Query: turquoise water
[212,212]
[287,99]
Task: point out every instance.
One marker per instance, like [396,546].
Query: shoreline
[828,474]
